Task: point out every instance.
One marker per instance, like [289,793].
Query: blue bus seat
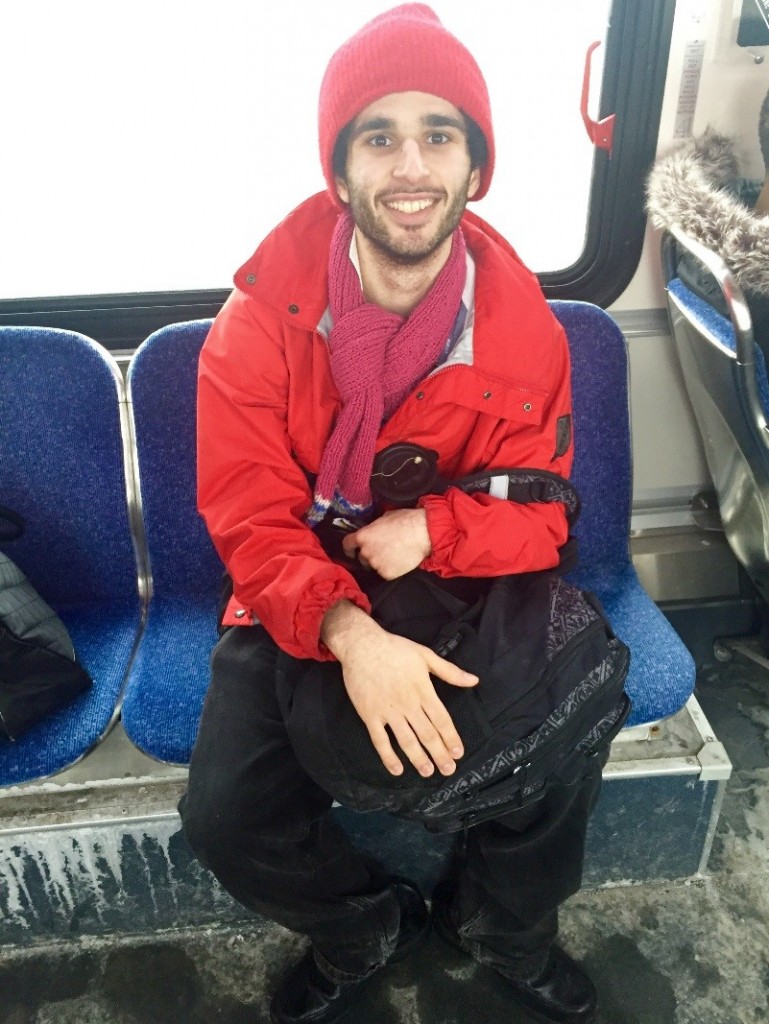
[662,671]
[166,688]
[62,468]
[169,676]
[725,376]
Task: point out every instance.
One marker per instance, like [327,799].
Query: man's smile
[409,205]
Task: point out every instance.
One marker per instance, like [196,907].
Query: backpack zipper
[560,735]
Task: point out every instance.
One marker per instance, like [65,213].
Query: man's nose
[410,165]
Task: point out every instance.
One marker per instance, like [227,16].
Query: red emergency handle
[600,133]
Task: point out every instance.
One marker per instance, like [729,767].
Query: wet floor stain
[152,983]
[632,989]
[45,979]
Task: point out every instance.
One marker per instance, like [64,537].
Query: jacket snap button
[251,279]
[293,308]
[420,394]
[487,394]
[240,613]
[527,407]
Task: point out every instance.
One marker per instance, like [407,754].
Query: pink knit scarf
[376,358]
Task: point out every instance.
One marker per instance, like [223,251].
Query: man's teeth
[411,205]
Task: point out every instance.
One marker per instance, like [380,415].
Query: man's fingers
[351,547]
[411,747]
[350,544]
[383,747]
[392,692]
[438,737]
[449,672]
[436,712]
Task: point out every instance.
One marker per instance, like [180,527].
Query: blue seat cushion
[170,675]
[104,636]
[662,671]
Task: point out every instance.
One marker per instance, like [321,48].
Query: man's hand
[392,545]
[387,678]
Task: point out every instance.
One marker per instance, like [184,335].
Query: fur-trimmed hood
[690,189]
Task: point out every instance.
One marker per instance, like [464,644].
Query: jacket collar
[285,272]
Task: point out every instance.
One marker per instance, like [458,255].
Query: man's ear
[475,182]
[342,190]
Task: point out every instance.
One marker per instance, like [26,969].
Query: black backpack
[39,671]
[551,692]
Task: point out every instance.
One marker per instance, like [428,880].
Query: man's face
[408,174]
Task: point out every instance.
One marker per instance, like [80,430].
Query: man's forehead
[419,107]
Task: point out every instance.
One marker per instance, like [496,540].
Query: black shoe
[308,996]
[561,994]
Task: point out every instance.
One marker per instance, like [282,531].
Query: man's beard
[408,249]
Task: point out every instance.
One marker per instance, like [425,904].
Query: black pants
[262,826]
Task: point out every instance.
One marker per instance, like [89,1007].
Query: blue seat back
[162,383]
[602,470]
[62,466]
[662,671]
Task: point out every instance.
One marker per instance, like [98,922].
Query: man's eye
[379,141]
[437,138]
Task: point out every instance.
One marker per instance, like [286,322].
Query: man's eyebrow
[374,124]
[381,124]
[443,121]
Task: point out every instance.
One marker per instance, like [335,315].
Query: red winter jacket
[267,403]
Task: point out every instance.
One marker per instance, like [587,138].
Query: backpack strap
[524,486]
[403,472]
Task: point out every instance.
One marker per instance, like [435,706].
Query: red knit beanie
[405,49]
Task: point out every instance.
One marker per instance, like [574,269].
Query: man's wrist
[343,625]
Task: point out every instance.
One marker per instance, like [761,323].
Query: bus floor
[688,952]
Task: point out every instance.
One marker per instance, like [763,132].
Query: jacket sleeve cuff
[442,531]
[309,615]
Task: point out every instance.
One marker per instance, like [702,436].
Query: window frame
[633,81]
[635,70]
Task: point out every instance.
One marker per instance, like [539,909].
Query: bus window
[156,144]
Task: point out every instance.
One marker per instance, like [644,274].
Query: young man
[376,313]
